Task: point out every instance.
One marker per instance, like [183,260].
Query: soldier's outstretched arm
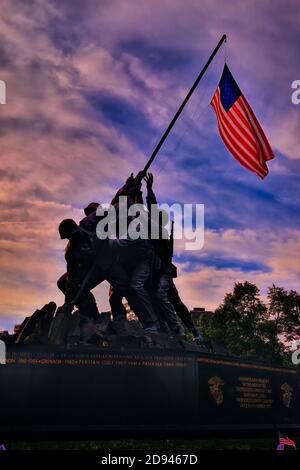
[123,190]
[151,198]
[129,187]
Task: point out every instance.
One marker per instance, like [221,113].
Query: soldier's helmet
[91,207]
[66,228]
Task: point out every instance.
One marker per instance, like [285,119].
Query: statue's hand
[149,180]
[141,174]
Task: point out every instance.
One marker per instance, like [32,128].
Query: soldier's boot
[163,328]
[88,306]
[73,335]
[118,309]
[151,329]
[119,326]
[198,338]
[178,331]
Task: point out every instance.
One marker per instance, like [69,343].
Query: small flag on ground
[286,441]
[239,128]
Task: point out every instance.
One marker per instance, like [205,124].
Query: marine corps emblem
[287,394]
[215,384]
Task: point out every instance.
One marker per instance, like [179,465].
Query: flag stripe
[236,146]
[286,440]
[221,113]
[254,121]
[260,143]
[242,154]
[282,437]
[238,126]
[234,151]
[243,122]
[259,132]
[244,127]
[237,154]
[229,123]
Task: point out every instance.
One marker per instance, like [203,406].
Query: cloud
[90,88]
[204,280]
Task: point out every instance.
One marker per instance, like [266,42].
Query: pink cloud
[48,174]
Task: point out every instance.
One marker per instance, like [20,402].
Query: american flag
[239,128]
[286,441]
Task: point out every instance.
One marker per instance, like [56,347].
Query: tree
[284,319]
[237,321]
[250,329]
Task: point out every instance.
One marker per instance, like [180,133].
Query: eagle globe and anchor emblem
[215,384]
[287,394]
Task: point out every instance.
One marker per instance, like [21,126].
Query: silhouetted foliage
[250,328]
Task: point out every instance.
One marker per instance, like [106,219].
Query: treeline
[253,329]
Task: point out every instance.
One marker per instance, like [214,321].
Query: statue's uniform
[135,257]
[78,257]
[181,309]
[90,261]
[161,277]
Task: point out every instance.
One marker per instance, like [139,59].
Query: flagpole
[186,99]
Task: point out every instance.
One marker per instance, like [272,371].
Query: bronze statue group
[139,270]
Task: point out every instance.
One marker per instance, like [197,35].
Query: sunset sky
[91,86]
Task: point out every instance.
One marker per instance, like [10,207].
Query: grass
[114,445]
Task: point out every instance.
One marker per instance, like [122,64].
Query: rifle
[171,243]
[171,251]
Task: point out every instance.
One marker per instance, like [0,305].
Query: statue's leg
[163,305]
[182,310]
[117,307]
[62,282]
[140,296]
